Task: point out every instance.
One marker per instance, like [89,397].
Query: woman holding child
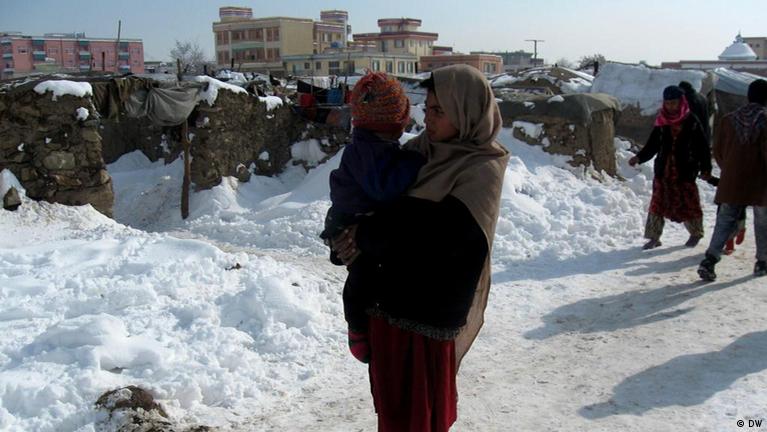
[425,279]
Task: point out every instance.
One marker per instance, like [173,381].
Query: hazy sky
[621,30]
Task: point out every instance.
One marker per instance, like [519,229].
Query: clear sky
[621,30]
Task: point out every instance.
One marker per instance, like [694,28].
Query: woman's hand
[633,161]
[345,246]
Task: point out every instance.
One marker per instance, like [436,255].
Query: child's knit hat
[379,103]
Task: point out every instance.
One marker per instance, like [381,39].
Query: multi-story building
[400,36]
[487,63]
[259,44]
[349,62]
[758,45]
[68,52]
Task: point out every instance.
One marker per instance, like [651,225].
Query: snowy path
[584,331]
[628,341]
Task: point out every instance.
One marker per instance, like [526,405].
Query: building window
[383,46]
[400,67]
[53,50]
[276,32]
[376,65]
[307,66]
[410,67]
[389,67]
[318,66]
[260,34]
[431,43]
[334,68]
[21,50]
[69,50]
[420,43]
[412,43]
[399,43]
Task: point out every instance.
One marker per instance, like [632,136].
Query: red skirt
[412,378]
[674,199]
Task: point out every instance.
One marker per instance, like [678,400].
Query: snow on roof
[271,102]
[568,80]
[65,87]
[730,81]
[640,85]
[214,85]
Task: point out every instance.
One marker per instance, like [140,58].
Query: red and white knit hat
[379,104]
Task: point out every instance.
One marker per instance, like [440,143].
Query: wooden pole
[187,163]
[103,61]
[117,46]
[187,170]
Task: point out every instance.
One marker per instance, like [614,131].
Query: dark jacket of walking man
[740,149]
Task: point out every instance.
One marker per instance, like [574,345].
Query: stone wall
[55,156]
[587,141]
[61,159]
[231,136]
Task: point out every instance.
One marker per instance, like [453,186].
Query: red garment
[674,199]
[665,118]
[379,103]
[412,378]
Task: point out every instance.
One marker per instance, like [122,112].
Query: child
[374,170]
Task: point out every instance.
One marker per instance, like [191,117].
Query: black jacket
[699,107]
[425,262]
[691,152]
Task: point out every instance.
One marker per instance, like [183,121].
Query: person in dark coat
[374,170]
[698,106]
[681,152]
[740,150]
[431,250]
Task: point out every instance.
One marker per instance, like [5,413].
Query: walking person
[681,152]
[740,150]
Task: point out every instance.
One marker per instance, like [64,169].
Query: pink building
[23,55]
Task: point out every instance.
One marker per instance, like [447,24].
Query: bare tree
[563,62]
[588,61]
[191,55]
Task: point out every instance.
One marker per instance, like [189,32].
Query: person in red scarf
[681,150]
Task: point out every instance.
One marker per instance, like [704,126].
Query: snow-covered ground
[233,318]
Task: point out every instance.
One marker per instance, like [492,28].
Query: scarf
[469,167]
[666,118]
[749,121]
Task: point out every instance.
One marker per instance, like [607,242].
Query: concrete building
[738,56]
[68,52]
[515,60]
[400,36]
[758,45]
[487,63]
[349,62]
[259,44]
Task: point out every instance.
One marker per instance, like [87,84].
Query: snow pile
[271,102]
[640,85]
[211,93]
[90,305]
[557,98]
[64,87]
[309,151]
[567,80]
[7,181]
[82,114]
[533,130]
[233,318]
[237,77]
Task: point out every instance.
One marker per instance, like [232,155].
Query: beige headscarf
[469,167]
